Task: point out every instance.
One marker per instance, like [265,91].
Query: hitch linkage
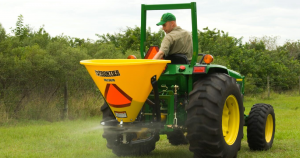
[156,108]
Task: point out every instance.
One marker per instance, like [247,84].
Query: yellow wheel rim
[230,120]
[269,128]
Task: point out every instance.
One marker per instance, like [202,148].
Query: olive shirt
[178,41]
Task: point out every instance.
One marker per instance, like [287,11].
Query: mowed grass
[83,138]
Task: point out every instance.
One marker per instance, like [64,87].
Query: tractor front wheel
[215,117]
[261,127]
[177,137]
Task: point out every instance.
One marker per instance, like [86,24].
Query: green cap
[166,17]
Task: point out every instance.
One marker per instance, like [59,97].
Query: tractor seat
[177,59]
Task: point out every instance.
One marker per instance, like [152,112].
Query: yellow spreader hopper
[125,83]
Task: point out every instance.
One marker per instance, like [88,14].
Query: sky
[84,19]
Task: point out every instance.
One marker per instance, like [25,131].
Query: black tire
[136,149]
[177,137]
[108,134]
[107,113]
[208,113]
[111,137]
[261,127]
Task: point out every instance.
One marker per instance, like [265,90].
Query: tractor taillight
[199,69]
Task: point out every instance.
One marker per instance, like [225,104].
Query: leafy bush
[35,68]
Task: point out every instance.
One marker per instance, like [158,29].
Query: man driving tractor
[176,41]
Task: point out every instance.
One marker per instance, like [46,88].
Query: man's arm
[159,55]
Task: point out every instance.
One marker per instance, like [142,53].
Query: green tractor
[196,103]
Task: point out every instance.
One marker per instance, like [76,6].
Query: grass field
[82,138]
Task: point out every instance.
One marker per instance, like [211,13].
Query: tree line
[33,64]
[258,58]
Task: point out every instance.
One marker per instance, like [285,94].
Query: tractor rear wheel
[261,127]
[215,117]
[177,137]
[121,149]
[107,113]
[107,133]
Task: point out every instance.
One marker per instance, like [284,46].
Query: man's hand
[158,55]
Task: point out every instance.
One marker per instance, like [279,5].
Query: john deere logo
[107,73]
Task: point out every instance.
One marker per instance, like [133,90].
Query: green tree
[21,31]
[2,33]
[217,42]
[293,48]
[269,42]
[129,39]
